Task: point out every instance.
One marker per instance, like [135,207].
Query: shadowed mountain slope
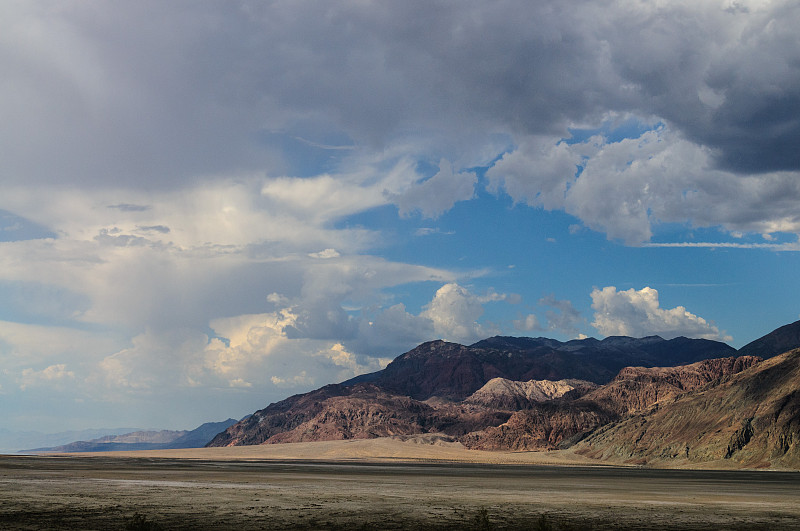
[778,341]
[752,419]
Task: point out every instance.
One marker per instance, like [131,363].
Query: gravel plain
[395,488]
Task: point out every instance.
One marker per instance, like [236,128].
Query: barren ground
[383,484]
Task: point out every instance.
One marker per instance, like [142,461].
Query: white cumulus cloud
[637,313]
[454,312]
[529,323]
[47,376]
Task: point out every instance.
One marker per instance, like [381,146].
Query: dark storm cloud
[728,79]
[154,93]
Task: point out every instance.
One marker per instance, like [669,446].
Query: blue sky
[209,206]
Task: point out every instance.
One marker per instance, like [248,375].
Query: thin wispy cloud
[794,246]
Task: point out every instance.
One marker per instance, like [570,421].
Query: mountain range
[143,440]
[619,399]
[14,441]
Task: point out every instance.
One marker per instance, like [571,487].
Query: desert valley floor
[381,484]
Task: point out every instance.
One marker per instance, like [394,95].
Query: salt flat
[386,484]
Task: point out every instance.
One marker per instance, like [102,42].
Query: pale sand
[389,449]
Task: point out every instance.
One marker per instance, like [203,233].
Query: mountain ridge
[440,375]
[780,340]
[441,388]
[143,440]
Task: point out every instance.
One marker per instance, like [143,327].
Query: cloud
[391,331]
[538,172]
[427,231]
[529,323]
[155,228]
[483,82]
[181,168]
[299,380]
[454,312]
[788,246]
[156,361]
[25,344]
[255,351]
[241,353]
[250,67]
[625,187]
[48,376]
[127,207]
[325,254]
[563,317]
[638,314]
[438,194]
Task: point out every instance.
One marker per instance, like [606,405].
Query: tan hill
[547,426]
[502,393]
[751,419]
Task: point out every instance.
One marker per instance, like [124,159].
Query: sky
[208,206]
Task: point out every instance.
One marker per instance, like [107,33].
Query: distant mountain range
[14,441]
[535,393]
[144,440]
